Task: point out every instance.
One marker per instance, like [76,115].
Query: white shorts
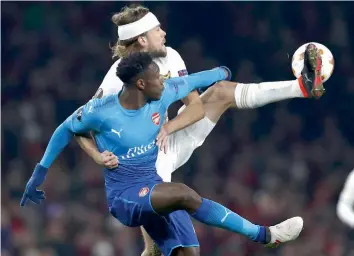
[181,145]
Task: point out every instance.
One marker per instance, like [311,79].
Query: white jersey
[170,66]
[345,206]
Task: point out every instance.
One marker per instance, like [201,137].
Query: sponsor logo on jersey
[143,192]
[136,151]
[156,118]
[183,72]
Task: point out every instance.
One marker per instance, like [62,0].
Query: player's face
[153,83]
[156,42]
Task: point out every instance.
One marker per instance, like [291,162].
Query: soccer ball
[297,62]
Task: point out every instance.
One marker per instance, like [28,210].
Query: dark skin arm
[106,158]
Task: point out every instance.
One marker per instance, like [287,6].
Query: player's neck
[132,99]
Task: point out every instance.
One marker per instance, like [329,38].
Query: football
[297,62]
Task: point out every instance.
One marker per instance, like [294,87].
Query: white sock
[257,95]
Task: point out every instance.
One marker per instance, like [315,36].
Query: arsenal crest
[156,118]
[143,192]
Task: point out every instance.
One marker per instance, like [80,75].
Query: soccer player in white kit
[345,205]
[139,30]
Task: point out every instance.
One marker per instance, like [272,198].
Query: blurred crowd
[286,159]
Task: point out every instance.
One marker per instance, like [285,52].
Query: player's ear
[142,41]
[140,84]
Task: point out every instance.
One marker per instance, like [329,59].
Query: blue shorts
[133,208]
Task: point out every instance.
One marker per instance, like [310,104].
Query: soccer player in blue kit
[127,125]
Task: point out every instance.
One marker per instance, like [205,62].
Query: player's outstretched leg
[223,95]
[169,197]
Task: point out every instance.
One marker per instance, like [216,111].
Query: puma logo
[118,133]
[307,79]
[227,213]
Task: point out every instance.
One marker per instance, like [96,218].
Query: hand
[35,181]
[162,139]
[228,72]
[108,160]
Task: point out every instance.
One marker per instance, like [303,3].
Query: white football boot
[285,231]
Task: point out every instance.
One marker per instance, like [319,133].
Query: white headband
[138,27]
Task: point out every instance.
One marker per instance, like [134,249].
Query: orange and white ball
[297,62]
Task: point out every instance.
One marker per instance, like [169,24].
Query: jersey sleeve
[177,63]
[111,83]
[82,120]
[179,87]
[85,119]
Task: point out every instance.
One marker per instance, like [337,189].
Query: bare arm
[193,112]
[89,146]
[106,158]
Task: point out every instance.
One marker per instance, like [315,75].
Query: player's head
[138,70]
[138,30]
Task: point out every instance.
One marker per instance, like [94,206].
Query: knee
[186,197]
[224,90]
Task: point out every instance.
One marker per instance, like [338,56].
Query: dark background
[282,160]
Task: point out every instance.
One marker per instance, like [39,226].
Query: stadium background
[286,159]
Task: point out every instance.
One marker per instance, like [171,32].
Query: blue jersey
[129,134]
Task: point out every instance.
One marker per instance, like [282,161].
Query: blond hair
[127,15]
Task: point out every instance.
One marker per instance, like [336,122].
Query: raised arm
[193,112]
[81,121]
[179,87]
